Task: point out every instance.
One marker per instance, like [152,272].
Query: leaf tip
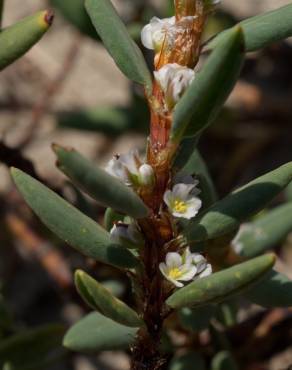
[46,18]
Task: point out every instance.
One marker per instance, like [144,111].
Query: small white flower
[129,168]
[181,201]
[189,266]
[174,79]
[154,34]
[126,234]
[176,269]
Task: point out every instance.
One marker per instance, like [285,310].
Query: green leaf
[205,97]
[74,12]
[17,39]
[227,214]
[196,165]
[266,232]
[273,291]
[119,44]
[196,319]
[262,30]
[96,332]
[223,284]
[106,189]
[223,361]
[99,298]
[69,224]
[111,217]
[33,348]
[184,151]
[191,360]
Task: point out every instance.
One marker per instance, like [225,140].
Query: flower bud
[157,32]
[146,175]
[126,235]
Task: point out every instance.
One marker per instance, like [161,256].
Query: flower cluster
[186,267]
[173,79]
[129,169]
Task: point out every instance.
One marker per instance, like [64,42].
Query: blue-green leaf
[17,39]
[262,30]
[118,42]
[69,224]
[221,285]
[266,231]
[205,97]
[104,188]
[101,299]
[227,214]
[96,332]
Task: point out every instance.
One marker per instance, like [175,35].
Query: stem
[146,353]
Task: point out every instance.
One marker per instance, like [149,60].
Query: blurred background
[67,90]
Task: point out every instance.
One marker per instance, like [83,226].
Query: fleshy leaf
[103,187]
[223,361]
[262,30]
[273,291]
[118,42]
[227,214]
[17,39]
[75,13]
[32,349]
[96,332]
[266,231]
[70,224]
[205,97]
[99,298]
[223,284]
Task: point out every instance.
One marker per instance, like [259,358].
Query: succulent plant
[183,250]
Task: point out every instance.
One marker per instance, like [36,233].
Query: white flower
[181,202]
[174,79]
[176,268]
[189,266]
[126,234]
[154,34]
[129,168]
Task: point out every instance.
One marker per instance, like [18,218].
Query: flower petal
[173,259]
[206,272]
[146,37]
[168,198]
[182,191]
[189,271]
